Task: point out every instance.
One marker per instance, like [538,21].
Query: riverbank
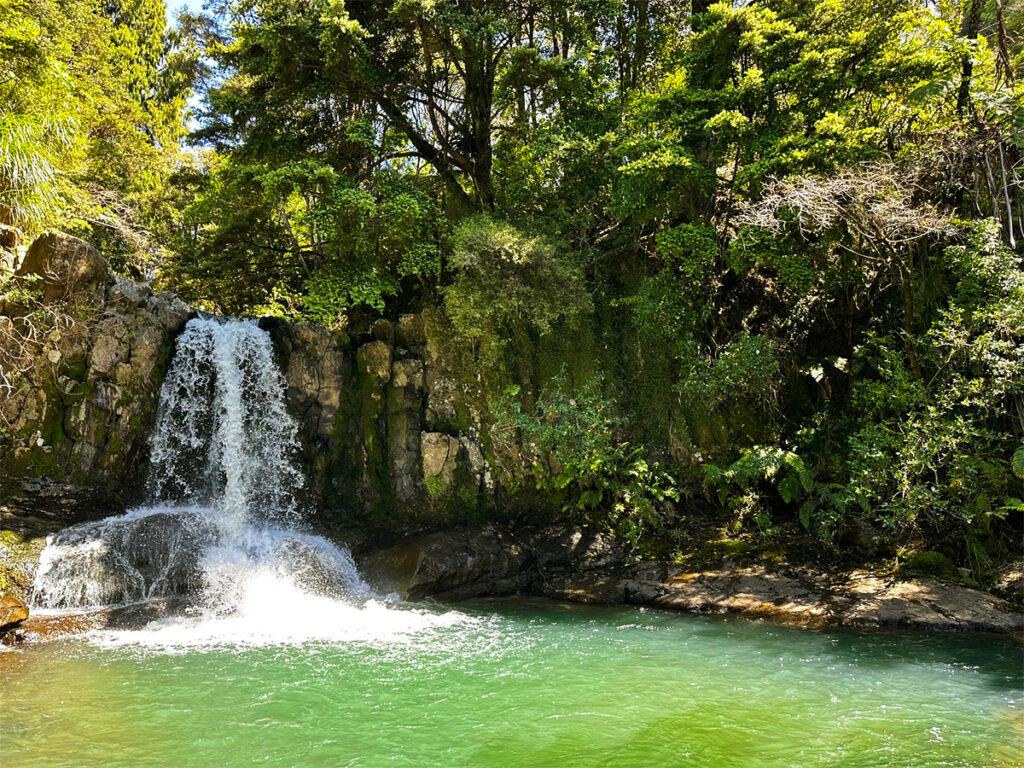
[577,566]
[573,565]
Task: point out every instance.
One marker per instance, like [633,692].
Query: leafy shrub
[747,369]
[572,444]
[507,280]
[822,506]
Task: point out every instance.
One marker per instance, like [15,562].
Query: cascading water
[220,528]
[223,438]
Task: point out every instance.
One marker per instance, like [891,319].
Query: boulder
[12,612]
[42,629]
[69,266]
[121,560]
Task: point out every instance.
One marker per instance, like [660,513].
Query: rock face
[76,417]
[121,560]
[391,438]
[375,452]
[579,566]
[12,612]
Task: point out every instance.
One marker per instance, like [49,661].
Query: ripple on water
[510,684]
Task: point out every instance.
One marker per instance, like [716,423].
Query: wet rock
[169,311]
[120,560]
[46,628]
[12,612]
[43,629]
[19,554]
[451,565]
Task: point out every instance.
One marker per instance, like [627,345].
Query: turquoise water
[514,683]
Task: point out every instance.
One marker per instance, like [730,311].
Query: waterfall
[223,437]
[220,527]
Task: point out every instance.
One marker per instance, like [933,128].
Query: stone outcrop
[376,452]
[578,566]
[12,612]
[77,416]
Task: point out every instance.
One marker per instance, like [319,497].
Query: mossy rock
[928,563]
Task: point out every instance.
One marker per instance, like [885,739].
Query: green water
[523,684]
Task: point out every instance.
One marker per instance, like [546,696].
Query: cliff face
[84,353]
[389,438]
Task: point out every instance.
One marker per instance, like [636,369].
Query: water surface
[514,683]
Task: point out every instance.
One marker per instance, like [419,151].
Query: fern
[1017,462]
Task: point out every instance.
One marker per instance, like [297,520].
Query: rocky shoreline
[586,567]
[573,565]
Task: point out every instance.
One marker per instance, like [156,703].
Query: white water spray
[220,529]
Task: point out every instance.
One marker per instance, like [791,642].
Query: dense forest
[754,267]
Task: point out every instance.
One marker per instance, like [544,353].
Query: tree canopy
[804,216]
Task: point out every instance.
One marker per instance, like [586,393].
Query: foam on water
[223,525]
[273,611]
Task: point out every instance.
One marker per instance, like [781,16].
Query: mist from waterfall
[222,524]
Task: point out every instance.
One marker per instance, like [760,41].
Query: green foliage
[507,280]
[322,243]
[746,369]
[89,126]
[573,445]
[821,506]
[804,215]
[937,452]
[1017,463]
